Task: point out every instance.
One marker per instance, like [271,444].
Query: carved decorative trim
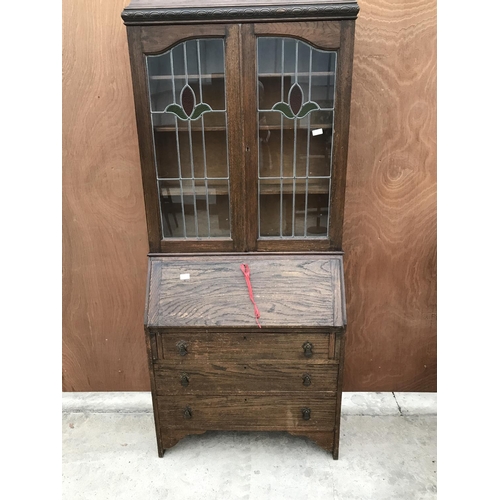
[151,16]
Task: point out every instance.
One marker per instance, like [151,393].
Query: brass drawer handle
[306,413]
[308,347]
[306,379]
[184,380]
[182,347]
[187,412]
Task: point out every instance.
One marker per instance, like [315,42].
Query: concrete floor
[387,451]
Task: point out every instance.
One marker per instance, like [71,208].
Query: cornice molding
[155,16]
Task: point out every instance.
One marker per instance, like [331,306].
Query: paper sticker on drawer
[317,131]
[184,276]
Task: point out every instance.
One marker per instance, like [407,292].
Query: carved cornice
[348,10]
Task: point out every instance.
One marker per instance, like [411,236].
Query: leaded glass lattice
[296,94]
[188,116]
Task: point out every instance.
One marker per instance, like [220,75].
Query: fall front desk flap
[287,290]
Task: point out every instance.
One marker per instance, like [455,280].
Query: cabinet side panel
[340,380]
[342,111]
[138,69]
[153,392]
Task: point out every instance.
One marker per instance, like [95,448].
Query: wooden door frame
[324,35]
[151,40]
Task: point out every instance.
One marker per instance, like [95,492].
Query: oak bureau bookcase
[243,117]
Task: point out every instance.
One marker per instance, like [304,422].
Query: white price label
[184,276]
[317,131]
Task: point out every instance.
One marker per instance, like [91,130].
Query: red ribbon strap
[246,272]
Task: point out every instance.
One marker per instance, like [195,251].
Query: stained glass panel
[188,117]
[296,96]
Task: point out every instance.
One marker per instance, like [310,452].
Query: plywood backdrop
[390,215]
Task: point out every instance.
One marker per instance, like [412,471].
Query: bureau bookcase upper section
[243,118]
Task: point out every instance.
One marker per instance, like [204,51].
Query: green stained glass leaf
[176,110]
[199,110]
[307,108]
[284,108]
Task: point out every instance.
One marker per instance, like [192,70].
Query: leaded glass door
[188,115]
[243,134]
[296,100]
[296,172]
[186,137]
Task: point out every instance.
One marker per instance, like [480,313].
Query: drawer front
[248,412]
[237,347]
[231,378]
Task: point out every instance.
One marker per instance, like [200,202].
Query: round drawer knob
[182,347]
[187,412]
[306,413]
[308,347]
[306,378]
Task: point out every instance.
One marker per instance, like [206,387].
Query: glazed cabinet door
[297,91]
[186,87]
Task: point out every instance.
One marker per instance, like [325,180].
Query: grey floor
[387,451]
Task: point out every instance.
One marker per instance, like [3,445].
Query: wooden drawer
[282,411]
[213,347]
[223,377]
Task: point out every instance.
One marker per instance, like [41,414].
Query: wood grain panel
[220,348]
[104,231]
[155,39]
[390,212]
[250,412]
[216,294]
[234,378]
[323,34]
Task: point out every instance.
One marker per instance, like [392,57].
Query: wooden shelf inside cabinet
[267,187]
[197,128]
[193,77]
[298,74]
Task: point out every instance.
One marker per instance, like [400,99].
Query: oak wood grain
[234,69]
[341,124]
[282,411]
[154,392]
[244,376]
[220,348]
[340,346]
[156,39]
[145,136]
[250,146]
[289,292]
[390,211]
[322,34]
